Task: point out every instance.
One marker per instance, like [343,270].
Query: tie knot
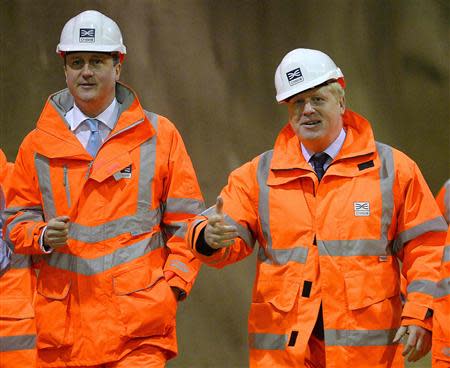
[92,124]
[319,158]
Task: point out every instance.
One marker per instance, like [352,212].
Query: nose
[308,108]
[87,71]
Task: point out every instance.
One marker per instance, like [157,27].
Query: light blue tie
[95,140]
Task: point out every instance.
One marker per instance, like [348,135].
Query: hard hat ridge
[91,31]
[302,69]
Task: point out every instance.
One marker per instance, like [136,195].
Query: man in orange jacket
[102,192]
[441,329]
[17,290]
[333,212]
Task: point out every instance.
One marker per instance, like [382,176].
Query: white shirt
[108,118]
[332,150]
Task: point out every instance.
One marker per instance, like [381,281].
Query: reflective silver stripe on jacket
[359,337]
[447,201]
[141,222]
[29,214]
[93,266]
[436,224]
[442,288]
[20,261]
[422,286]
[19,342]
[446,254]
[261,341]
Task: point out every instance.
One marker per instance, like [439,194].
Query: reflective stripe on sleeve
[20,261]
[422,286]
[446,254]
[436,224]
[261,341]
[442,288]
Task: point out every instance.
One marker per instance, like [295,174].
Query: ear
[117,69]
[342,104]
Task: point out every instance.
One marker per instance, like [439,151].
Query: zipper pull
[89,169]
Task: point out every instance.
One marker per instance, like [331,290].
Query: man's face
[316,117]
[91,79]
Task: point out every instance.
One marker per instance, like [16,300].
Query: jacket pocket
[52,312]
[146,303]
[273,306]
[16,308]
[367,287]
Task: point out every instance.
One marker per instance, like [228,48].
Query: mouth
[311,123]
[86,85]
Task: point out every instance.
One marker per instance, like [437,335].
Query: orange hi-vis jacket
[17,290]
[105,293]
[443,200]
[337,242]
[441,306]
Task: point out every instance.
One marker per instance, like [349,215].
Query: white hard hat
[91,31]
[302,69]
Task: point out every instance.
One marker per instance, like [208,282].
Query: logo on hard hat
[87,35]
[294,76]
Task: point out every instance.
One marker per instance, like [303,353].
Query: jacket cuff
[427,323]
[415,311]
[184,273]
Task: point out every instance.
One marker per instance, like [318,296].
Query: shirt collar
[108,117]
[332,150]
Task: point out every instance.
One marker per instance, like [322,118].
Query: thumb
[64,218]
[219,205]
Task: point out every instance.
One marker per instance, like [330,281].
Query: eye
[76,63]
[317,99]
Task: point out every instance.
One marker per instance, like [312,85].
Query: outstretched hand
[217,233]
[418,342]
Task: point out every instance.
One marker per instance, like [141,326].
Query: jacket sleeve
[24,215]
[182,200]
[421,232]
[240,209]
[443,200]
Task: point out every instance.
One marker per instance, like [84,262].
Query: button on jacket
[338,242]
[105,294]
[17,290]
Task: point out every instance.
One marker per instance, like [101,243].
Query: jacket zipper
[66,184]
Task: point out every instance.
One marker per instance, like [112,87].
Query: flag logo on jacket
[294,76]
[87,35]
[361,208]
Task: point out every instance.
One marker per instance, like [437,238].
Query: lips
[311,123]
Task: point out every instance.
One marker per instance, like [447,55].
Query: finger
[400,332]
[219,205]
[410,344]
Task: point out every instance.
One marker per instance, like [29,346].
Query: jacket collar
[56,140]
[289,164]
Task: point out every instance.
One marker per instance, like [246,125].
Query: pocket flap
[136,279]
[283,298]
[53,287]
[364,288]
[17,308]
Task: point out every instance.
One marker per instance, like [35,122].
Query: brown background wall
[209,65]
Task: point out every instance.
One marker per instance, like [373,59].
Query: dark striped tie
[318,160]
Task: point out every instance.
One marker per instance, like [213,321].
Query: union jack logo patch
[87,35]
[294,76]
[361,208]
